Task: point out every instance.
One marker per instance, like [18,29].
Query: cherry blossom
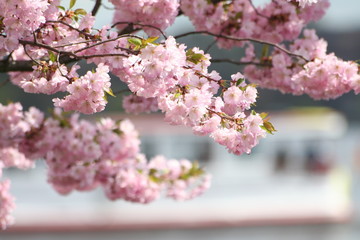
[42,43]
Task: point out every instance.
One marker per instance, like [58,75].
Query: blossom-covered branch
[42,38]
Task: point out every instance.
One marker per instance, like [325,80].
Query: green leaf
[151,39]
[224,83]
[263,115]
[239,81]
[80,11]
[268,127]
[193,57]
[154,179]
[61,7]
[72,3]
[194,171]
[117,131]
[265,51]
[64,123]
[110,92]
[238,15]
[177,95]
[152,171]
[152,176]
[197,57]
[52,56]
[135,41]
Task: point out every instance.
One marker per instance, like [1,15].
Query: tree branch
[245,39]
[72,28]
[256,11]
[141,25]
[16,66]
[239,62]
[96,7]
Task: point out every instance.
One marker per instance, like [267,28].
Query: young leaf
[52,56]
[268,127]
[135,41]
[72,3]
[62,8]
[263,115]
[110,92]
[80,11]
[239,81]
[117,131]
[265,51]
[151,39]
[193,57]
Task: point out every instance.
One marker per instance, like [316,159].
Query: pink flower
[87,94]
[7,205]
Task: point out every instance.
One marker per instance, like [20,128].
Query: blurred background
[301,183]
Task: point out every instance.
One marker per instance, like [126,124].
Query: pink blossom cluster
[64,29]
[81,155]
[194,103]
[14,124]
[87,93]
[6,205]
[18,20]
[47,78]
[274,74]
[12,157]
[310,46]
[135,104]
[328,77]
[157,13]
[112,51]
[275,22]
[70,35]
[184,89]
[322,76]
[166,73]
[179,173]
[275,70]
[155,69]
[21,18]
[205,15]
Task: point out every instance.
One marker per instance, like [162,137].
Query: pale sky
[343,15]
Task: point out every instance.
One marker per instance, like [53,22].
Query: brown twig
[72,28]
[141,25]
[243,40]
[256,11]
[220,60]
[106,41]
[102,55]
[96,7]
